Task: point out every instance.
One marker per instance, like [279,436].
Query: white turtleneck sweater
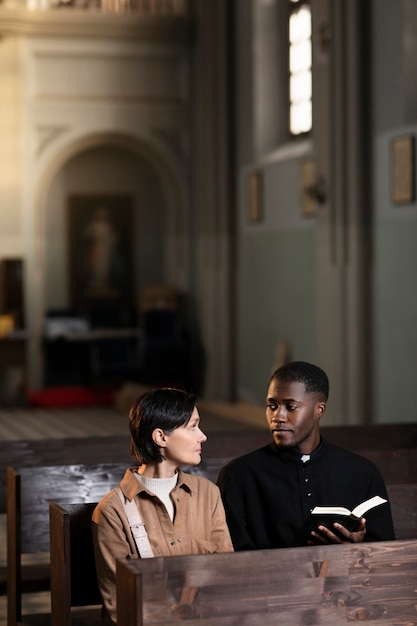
[162,488]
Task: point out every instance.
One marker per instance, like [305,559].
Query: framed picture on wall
[402,169]
[100,251]
[254,195]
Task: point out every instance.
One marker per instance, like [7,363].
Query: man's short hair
[314,378]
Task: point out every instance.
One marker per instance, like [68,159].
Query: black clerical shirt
[269,492]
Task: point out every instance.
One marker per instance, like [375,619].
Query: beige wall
[63,97]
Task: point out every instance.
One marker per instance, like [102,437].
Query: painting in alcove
[100,257]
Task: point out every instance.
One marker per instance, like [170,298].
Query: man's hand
[325,535]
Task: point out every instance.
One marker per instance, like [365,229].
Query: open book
[328,515]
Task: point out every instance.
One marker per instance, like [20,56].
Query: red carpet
[71,396]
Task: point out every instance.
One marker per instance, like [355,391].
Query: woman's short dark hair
[163,408]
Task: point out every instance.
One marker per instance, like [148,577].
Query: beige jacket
[199,527]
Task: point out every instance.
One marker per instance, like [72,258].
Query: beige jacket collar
[131,486]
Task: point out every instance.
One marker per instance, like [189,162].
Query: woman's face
[183,444]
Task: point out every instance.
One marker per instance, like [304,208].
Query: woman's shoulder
[106,506]
[111,500]
[196,482]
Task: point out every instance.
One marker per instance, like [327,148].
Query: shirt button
[179,540]
[306,480]
[309,494]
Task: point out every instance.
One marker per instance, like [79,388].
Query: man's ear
[320,408]
[159,437]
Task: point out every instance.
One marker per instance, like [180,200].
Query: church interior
[162,222]
[193,192]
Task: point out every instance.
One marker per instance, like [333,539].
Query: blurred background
[194,191]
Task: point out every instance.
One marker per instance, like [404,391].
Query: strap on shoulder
[137,526]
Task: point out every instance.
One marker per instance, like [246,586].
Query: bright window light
[300,64]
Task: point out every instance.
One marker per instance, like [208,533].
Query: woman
[182,513]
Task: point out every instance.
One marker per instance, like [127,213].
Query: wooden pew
[54,452]
[365,439]
[73,569]
[96,450]
[397,466]
[371,436]
[373,582]
[403,500]
[73,581]
[29,492]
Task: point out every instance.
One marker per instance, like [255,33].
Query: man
[269,492]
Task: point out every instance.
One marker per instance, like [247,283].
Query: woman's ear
[159,437]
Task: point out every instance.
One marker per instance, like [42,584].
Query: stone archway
[76,167]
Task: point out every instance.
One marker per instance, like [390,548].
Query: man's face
[293,415]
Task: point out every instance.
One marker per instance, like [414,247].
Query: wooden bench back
[73,570]
[73,573]
[58,452]
[337,584]
[29,492]
[73,577]
[396,465]
[97,450]
[403,500]
[371,436]
[369,440]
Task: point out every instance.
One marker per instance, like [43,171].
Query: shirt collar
[292,455]
[131,486]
